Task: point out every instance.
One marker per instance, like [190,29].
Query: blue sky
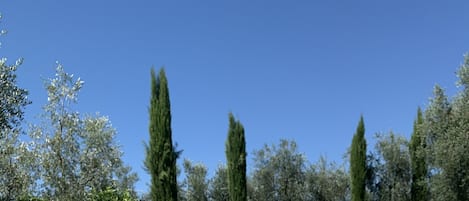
[302,70]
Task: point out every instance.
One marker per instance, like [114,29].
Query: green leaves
[111,194]
[445,134]
[15,162]
[419,189]
[77,155]
[13,99]
[218,188]
[279,172]
[196,181]
[327,181]
[394,171]
[62,90]
[161,157]
[463,73]
[358,163]
[236,159]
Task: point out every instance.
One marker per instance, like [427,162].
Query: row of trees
[69,156]
[161,155]
[433,165]
[281,172]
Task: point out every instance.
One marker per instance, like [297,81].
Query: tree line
[67,156]
[70,156]
[432,165]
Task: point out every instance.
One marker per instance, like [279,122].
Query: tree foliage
[236,158]
[161,157]
[111,194]
[394,171]
[417,146]
[76,155]
[446,133]
[13,99]
[279,172]
[218,186]
[15,158]
[358,163]
[101,162]
[16,161]
[327,182]
[196,181]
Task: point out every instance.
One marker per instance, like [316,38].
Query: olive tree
[78,155]
[15,160]
[279,173]
[196,182]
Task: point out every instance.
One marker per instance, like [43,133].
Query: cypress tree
[419,190]
[358,163]
[160,155]
[236,159]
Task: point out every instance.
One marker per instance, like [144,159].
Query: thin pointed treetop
[361,127]
[358,163]
[419,190]
[161,157]
[236,159]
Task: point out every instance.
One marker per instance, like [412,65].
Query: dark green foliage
[160,154]
[111,194]
[419,189]
[373,176]
[13,99]
[236,158]
[358,163]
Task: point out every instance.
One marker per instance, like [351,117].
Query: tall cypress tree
[419,189]
[236,159]
[358,163]
[160,155]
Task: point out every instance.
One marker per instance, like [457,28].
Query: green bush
[111,194]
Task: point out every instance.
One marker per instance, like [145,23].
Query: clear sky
[302,70]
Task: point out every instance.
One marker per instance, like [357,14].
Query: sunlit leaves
[218,187]
[196,183]
[395,169]
[78,154]
[326,181]
[13,99]
[446,130]
[279,172]
[62,90]
[15,160]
